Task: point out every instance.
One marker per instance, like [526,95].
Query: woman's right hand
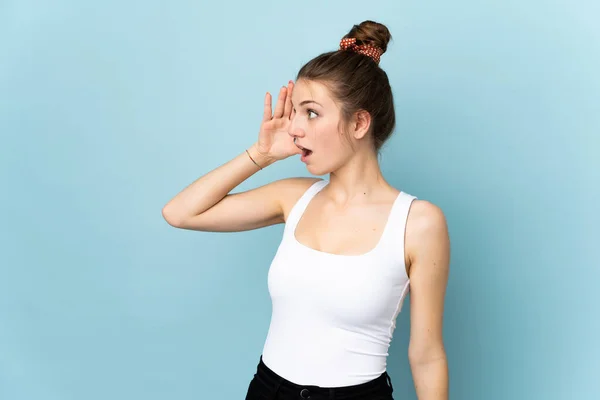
[274,141]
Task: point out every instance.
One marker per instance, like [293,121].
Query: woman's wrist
[258,158]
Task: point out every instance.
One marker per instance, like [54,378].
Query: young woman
[352,245]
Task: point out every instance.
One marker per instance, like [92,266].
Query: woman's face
[316,126]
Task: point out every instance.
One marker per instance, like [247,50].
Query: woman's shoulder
[424,215]
[290,190]
[426,227]
[296,186]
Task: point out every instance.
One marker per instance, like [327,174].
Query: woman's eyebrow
[307,102]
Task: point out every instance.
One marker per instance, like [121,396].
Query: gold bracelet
[253,159]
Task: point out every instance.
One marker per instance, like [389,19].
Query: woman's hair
[356,81]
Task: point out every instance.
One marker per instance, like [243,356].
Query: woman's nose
[295,131]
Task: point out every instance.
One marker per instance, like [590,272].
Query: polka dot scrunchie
[368,50]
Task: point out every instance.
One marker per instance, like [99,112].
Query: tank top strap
[393,240]
[298,208]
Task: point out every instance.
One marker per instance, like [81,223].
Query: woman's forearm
[210,188]
[431,379]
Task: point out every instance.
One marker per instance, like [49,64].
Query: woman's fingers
[283,108]
[288,100]
[279,107]
[267,113]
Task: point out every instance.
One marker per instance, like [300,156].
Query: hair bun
[371,32]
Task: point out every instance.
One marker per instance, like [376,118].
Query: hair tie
[367,49]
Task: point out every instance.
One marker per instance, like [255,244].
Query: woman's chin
[314,170]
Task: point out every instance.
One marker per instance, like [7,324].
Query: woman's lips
[305,152]
[305,155]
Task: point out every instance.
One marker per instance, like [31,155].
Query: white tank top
[333,316]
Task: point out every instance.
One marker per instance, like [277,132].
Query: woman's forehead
[311,90]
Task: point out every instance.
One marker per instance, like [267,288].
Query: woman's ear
[361,124]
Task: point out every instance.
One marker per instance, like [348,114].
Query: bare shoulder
[425,215]
[291,189]
[426,231]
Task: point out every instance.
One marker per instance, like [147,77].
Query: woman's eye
[313,113]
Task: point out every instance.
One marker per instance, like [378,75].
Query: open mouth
[305,152]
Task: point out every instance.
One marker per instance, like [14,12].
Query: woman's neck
[359,180]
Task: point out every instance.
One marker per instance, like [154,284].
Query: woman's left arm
[428,249]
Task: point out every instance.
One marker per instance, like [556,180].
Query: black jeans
[267,385]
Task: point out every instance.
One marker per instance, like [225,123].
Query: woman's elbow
[426,353]
[172,218]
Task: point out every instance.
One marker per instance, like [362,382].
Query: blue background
[108,109]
